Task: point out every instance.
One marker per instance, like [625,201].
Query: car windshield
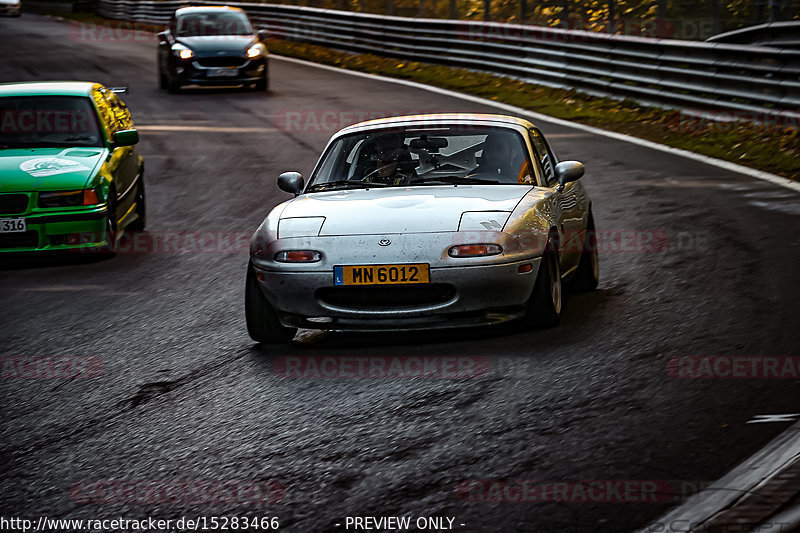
[424,156]
[213,23]
[43,121]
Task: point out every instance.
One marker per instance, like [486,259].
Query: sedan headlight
[257,50]
[68,198]
[298,256]
[474,250]
[182,51]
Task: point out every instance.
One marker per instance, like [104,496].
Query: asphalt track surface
[184,395]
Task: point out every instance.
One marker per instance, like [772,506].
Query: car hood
[212,45]
[48,168]
[402,209]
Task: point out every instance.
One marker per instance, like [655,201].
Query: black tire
[262,321]
[544,306]
[111,248]
[263,85]
[173,86]
[141,207]
[588,273]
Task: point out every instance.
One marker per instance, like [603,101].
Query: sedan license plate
[223,72]
[381,274]
[12,225]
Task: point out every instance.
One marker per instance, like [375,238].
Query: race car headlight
[68,198]
[474,250]
[255,51]
[298,256]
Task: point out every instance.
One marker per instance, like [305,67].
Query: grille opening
[224,61]
[387,297]
[13,204]
[23,239]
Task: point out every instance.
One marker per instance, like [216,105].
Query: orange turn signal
[90,197]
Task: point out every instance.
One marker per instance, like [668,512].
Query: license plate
[381,274]
[12,225]
[223,72]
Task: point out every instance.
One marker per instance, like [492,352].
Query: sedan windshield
[213,23]
[424,156]
[44,121]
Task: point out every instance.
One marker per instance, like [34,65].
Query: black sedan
[212,46]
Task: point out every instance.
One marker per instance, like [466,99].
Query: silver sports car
[427,221]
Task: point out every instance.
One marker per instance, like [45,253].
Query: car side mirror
[568,171]
[291,182]
[263,35]
[126,137]
[163,36]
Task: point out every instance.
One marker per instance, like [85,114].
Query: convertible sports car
[70,176]
[427,221]
[212,46]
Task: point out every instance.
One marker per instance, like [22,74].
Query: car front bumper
[193,73]
[78,229]
[455,297]
[10,10]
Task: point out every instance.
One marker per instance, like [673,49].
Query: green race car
[70,175]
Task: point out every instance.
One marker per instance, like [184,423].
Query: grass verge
[769,148]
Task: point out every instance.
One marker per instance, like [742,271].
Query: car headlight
[474,250]
[298,256]
[182,51]
[255,51]
[68,198]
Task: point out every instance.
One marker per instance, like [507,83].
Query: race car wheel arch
[544,306]
[262,321]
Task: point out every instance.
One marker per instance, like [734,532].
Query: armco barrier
[752,80]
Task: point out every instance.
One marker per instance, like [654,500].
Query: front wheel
[141,209]
[111,247]
[544,307]
[263,84]
[588,273]
[262,321]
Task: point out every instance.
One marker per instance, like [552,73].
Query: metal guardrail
[756,82]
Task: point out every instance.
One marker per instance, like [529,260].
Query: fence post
[421,12]
[612,24]
[453,9]
[390,7]
[523,11]
[487,10]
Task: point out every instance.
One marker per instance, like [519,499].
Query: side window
[122,116]
[105,112]
[546,159]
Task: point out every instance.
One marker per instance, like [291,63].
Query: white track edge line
[719,163]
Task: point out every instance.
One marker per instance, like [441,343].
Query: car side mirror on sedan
[163,36]
[126,137]
[291,182]
[263,35]
[568,171]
